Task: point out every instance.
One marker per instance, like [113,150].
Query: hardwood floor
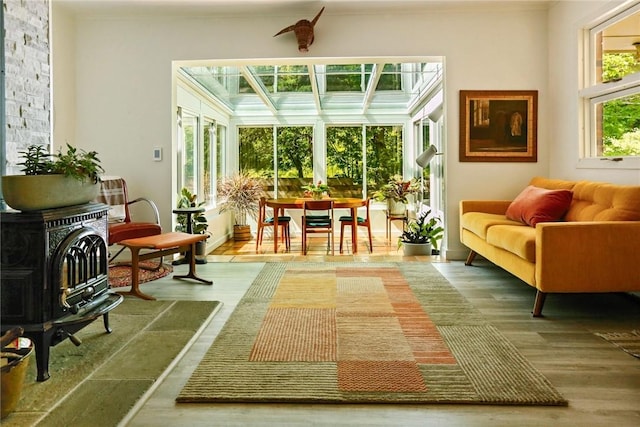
[601,382]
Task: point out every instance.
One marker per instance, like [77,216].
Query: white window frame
[593,93]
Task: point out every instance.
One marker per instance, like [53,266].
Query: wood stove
[54,274]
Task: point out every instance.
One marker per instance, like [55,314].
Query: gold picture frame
[498,125]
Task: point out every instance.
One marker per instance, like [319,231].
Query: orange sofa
[594,247]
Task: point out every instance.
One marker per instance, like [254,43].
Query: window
[294,160]
[611,96]
[188,127]
[199,142]
[348,149]
[344,161]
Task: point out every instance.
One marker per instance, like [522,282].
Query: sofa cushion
[519,240]
[597,201]
[534,205]
[479,222]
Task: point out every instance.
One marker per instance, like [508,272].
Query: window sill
[609,163]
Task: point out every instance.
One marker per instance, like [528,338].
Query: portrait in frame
[498,125]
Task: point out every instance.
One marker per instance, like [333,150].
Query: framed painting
[498,125]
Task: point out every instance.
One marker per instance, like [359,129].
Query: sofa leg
[470,258]
[537,305]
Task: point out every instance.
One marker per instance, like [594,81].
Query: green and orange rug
[362,333]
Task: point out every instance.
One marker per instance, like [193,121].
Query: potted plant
[53,180]
[240,194]
[421,235]
[316,191]
[199,222]
[395,192]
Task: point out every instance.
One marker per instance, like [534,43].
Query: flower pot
[39,192]
[411,249]
[317,195]
[14,370]
[241,233]
[201,248]
[396,208]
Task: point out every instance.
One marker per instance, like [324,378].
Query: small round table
[189,212]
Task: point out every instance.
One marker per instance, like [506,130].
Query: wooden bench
[159,246]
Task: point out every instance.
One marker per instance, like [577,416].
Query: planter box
[40,192]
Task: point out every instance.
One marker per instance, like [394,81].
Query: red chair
[113,192]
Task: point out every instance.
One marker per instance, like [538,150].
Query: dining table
[280,204]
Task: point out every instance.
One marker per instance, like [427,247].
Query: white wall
[566,22]
[123,82]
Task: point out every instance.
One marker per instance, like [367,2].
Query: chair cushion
[350,219]
[132,230]
[534,205]
[280,219]
[318,221]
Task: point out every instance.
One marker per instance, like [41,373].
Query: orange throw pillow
[534,205]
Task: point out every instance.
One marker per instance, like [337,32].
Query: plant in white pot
[53,180]
[240,194]
[396,193]
[421,235]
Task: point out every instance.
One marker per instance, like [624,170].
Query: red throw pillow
[534,205]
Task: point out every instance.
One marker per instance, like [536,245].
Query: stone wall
[27,78]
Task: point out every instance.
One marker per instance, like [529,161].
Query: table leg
[354,230]
[192,268]
[276,213]
[135,278]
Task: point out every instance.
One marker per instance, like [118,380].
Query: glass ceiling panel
[337,86]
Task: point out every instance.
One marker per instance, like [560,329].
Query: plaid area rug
[365,333]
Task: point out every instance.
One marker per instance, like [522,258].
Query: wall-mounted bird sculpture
[303,30]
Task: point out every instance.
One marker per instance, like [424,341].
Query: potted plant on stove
[199,224]
[421,235]
[67,178]
[240,194]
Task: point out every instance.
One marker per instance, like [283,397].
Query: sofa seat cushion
[479,222]
[519,240]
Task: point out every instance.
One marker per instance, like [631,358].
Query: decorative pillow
[534,205]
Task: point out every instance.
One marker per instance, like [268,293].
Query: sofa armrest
[599,256]
[498,207]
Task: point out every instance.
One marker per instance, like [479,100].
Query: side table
[189,212]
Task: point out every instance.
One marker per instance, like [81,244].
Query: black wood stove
[54,274]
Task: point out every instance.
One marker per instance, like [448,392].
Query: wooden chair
[317,223]
[347,220]
[113,192]
[265,221]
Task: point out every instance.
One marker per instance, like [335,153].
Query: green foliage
[78,164]
[344,153]
[295,151]
[620,117]
[198,221]
[618,65]
[397,189]
[424,229]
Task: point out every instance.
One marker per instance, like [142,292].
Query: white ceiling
[274,7]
